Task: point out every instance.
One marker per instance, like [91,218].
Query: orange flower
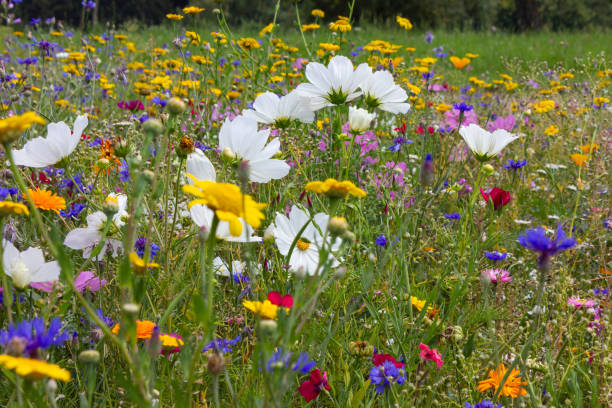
[144,329]
[459,62]
[108,153]
[46,200]
[580,159]
[589,148]
[512,387]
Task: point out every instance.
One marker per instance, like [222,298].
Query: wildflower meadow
[312,211]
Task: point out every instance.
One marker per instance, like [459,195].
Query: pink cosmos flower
[431,354]
[578,303]
[86,280]
[497,275]
[451,118]
[500,122]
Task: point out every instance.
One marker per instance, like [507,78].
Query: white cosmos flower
[202,216]
[271,109]
[360,120]
[199,166]
[305,254]
[235,268]
[243,139]
[380,91]
[335,84]
[483,143]
[27,266]
[59,143]
[88,238]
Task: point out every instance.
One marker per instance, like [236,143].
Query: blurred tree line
[510,15]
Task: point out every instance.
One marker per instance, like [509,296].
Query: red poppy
[310,389]
[498,196]
[276,299]
[401,129]
[379,359]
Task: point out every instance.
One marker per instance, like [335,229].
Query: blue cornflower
[33,335]
[607,224]
[5,192]
[27,61]
[140,246]
[465,89]
[482,404]
[75,181]
[453,216]
[463,107]
[429,37]
[385,374]
[603,292]
[427,75]
[159,101]
[496,256]
[74,210]
[398,142]
[536,240]
[381,240]
[201,146]
[107,320]
[515,164]
[35,21]
[222,345]
[279,359]
[96,142]
[124,172]
[89,4]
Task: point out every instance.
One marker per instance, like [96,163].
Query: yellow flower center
[303,244]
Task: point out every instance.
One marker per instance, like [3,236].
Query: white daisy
[59,144]
[28,266]
[335,84]
[88,238]
[380,91]
[305,255]
[483,143]
[241,137]
[271,109]
[237,269]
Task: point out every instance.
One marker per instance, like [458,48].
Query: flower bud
[154,345]
[457,333]
[149,176]
[359,120]
[243,172]
[130,309]
[121,148]
[111,206]
[227,155]
[349,236]
[103,164]
[487,169]
[185,147]
[203,233]
[176,106]
[340,272]
[268,326]
[337,226]
[216,364]
[89,357]
[51,386]
[269,234]
[153,126]
[427,171]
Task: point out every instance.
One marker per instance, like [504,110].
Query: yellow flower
[176,17]
[512,387]
[580,159]
[228,203]
[329,47]
[600,101]
[192,10]
[248,43]
[309,27]
[266,30]
[443,107]
[318,13]
[46,200]
[194,37]
[265,309]
[139,264]
[459,62]
[169,341]
[33,369]
[472,56]
[544,106]
[13,126]
[589,148]
[9,207]
[404,23]
[551,130]
[334,188]
[341,25]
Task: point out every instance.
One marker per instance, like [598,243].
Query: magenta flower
[451,118]
[578,303]
[87,280]
[500,122]
[497,275]
[431,354]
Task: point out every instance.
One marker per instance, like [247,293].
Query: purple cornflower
[222,345]
[201,146]
[381,240]
[27,61]
[124,172]
[398,142]
[385,374]
[515,164]
[107,320]
[303,364]
[429,37]
[536,240]
[602,292]
[463,107]
[453,216]
[89,4]
[74,210]
[4,192]
[140,246]
[496,256]
[427,76]
[482,404]
[29,336]
[35,21]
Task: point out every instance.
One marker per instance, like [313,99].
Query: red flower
[276,299]
[131,105]
[431,354]
[401,129]
[379,359]
[310,389]
[499,197]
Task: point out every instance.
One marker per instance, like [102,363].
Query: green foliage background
[511,15]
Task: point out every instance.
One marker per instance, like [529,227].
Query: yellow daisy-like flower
[228,203]
[46,200]
[13,126]
[248,43]
[329,47]
[176,17]
[544,106]
[169,341]
[341,25]
[404,23]
[551,130]
[10,207]
[318,13]
[139,264]
[309,27]
[443,107]
[600,101]
[266,30]
[265,309]
[33,369]
[512,387]
[193,10]
[334,188]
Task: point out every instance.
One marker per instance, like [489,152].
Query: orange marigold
[144,329]
[46,200]
[512,387]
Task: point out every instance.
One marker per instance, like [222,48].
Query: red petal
[287,301]
[309,391]
[274,298]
